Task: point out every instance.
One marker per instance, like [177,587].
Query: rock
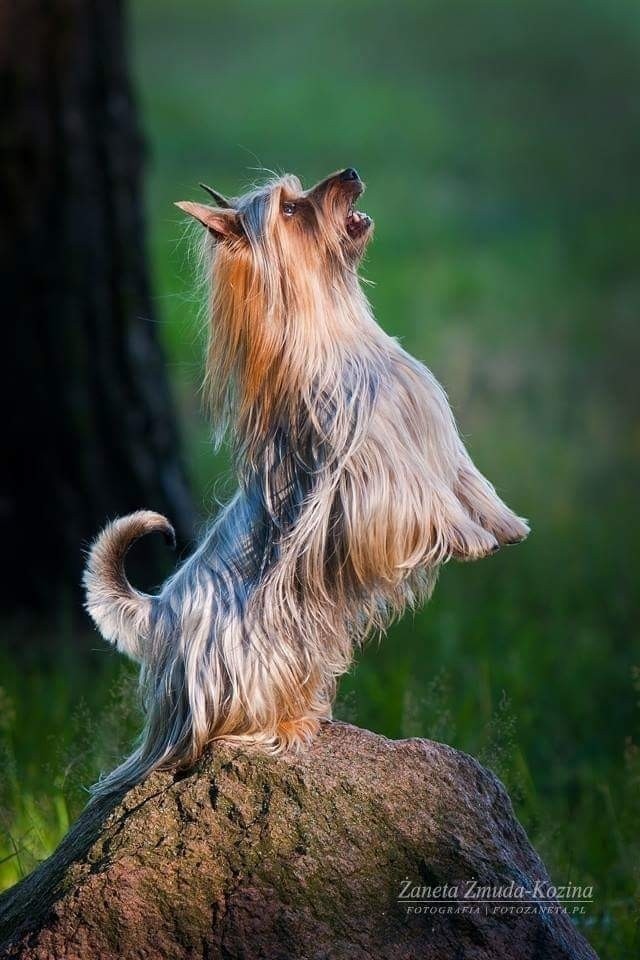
[249,856]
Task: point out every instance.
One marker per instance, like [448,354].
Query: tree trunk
[308,856]
[89,430]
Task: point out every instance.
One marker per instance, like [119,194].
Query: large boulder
[320,855]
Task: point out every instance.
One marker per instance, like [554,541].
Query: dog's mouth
[358,223]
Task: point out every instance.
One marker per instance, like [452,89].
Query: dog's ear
[219,198]
[220,223]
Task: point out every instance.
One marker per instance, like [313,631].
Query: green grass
[501,143]
[62,721]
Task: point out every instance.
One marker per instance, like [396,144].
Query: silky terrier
[354,486]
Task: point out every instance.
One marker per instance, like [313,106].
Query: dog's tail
[120,612]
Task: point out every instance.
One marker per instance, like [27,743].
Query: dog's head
[285,296]
[282,227]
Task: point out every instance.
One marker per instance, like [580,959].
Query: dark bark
[250,857]
[89,427]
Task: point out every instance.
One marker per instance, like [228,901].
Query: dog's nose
[349,174]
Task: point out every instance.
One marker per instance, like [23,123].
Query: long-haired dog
[354,487]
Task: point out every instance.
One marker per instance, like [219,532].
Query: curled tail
[120,612]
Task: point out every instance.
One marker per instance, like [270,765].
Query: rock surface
[250,856]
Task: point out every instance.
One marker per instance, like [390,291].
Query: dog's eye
[288,208]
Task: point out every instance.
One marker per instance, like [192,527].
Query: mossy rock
[249,856]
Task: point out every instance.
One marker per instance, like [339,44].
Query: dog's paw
[295,735]
[507,528]
[473,542]
[479,499]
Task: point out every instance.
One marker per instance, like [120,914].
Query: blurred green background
[501,146]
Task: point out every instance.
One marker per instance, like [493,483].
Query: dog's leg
[486,508]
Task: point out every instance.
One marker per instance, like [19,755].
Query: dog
[354,487]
